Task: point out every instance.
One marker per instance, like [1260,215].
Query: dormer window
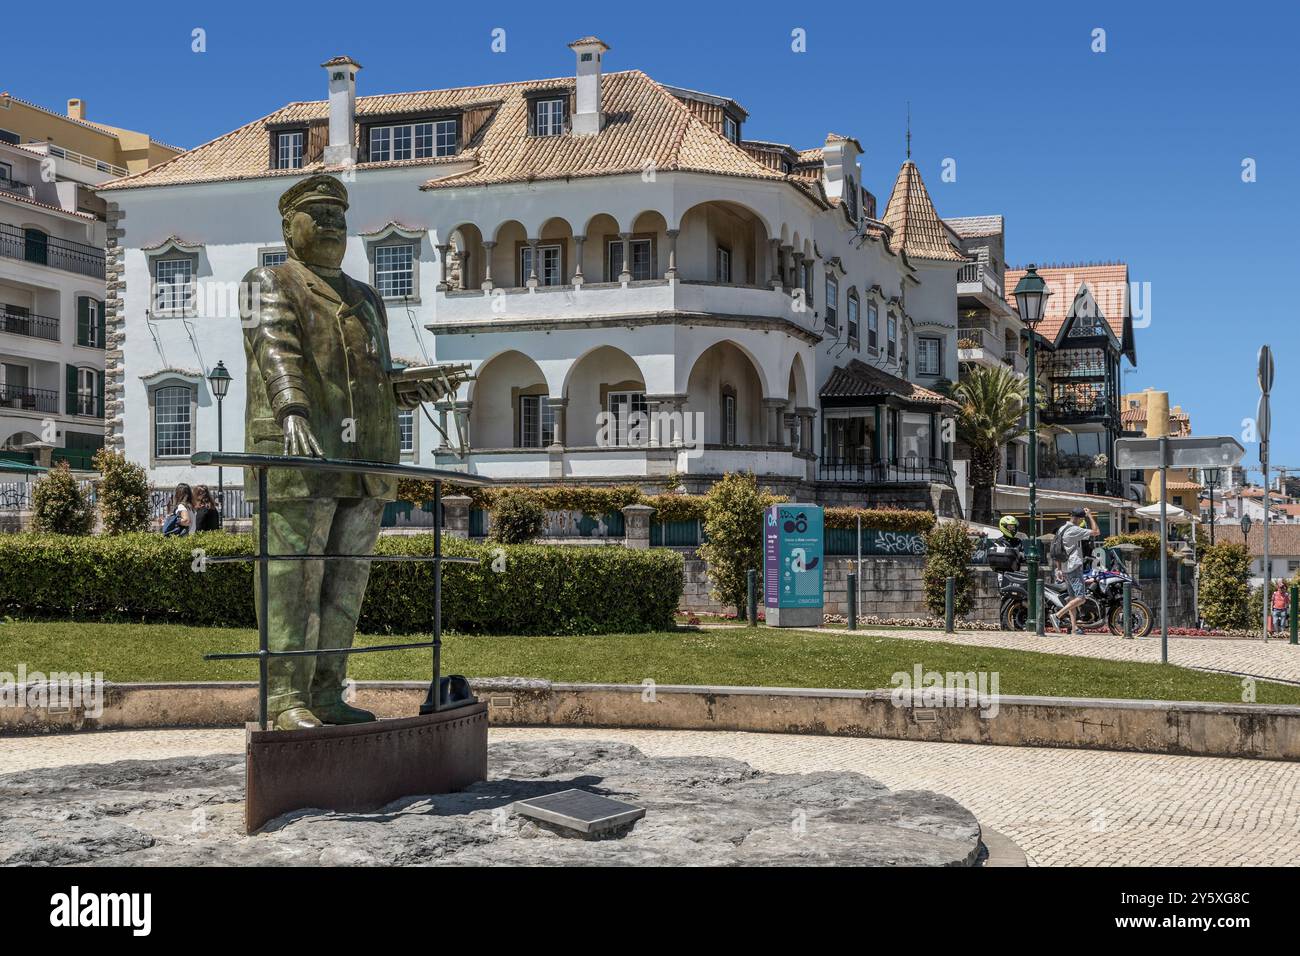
[423,140]
[289,150]
[548,116]
[730,128]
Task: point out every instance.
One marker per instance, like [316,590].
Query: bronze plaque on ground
[362,767]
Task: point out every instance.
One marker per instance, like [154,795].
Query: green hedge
[542,589]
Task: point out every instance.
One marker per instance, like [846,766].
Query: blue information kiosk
[792,565]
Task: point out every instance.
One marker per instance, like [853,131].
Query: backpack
[1058,552]
[172,526]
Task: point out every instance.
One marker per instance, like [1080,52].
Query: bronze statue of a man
[320,382]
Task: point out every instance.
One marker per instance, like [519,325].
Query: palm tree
[992,409]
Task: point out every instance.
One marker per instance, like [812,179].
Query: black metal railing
[907,468]
[32,246]
[29,399]
[27,323]
[262,464]
[14,185]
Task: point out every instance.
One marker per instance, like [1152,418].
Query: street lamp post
[219,380]
[1031,295]
[1212,478]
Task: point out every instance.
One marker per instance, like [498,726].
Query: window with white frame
[172,421]
[622,406]
[288,150]
[536,421]
[642,252]
[395,270]
[273,257]
[892,327]
[87,391]
[548,117]
[873,327]
[550,261]
[929,356]
[852,316]
[832,303]
[730,128]
[406,430]
[422,140]
[174,285]
[723,269]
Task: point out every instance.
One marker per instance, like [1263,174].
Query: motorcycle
[1103,604]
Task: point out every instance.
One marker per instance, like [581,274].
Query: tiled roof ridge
[44,205]
[1040,266]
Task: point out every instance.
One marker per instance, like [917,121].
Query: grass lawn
[735,656]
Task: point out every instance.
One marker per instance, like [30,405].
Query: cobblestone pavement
[1062,807]
[1276,660]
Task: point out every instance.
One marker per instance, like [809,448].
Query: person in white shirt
[1073,535]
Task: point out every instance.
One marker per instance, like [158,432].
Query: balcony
[908,468]
[619,461]
[1070,484]
[24,323]
[983,347]
[15,186]
[36,247]
[978,280]
[1069,409]
[29,399]
[604,299]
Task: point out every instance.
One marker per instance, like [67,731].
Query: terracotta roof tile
[1283,538]
[917,229]
[1108,284]
[860,380]
[645,124]
[975,227]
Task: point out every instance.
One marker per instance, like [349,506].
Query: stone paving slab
[1061,807]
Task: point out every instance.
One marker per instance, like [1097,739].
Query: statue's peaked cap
[318,188]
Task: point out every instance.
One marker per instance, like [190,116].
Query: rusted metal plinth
[362,766]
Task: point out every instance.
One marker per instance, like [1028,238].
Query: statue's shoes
[296,718]
[342,713]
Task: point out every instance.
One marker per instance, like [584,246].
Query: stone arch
[725,371]
[499,382]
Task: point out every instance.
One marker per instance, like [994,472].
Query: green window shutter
[70,379]
[99,394]
[83,320]
[103,342]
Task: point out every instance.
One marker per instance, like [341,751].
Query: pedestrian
[1280,607]
[181,519]
[207,513]
[1069,542]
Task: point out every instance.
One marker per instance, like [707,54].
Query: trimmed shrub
[948,552]
[524,589]
[517,519]
[1224,587]
[733,524]
[123,493]
[58,506]
[881,519]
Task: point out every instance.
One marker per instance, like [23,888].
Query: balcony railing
[72,156]
[48,251]
[15,186]
[1070,409]
[1050,480]
[29,399]
[24,323]
[978,273]
[907,468]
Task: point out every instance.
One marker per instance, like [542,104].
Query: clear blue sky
[1132,154]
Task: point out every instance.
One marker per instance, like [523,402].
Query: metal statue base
[361,767]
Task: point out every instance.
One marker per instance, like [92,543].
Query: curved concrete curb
[1145,726]
[999,850]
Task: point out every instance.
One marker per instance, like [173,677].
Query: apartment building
[52,277]
[604,250]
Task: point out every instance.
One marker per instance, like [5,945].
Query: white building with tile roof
[595,246]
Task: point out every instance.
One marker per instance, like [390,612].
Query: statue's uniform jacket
[312,352]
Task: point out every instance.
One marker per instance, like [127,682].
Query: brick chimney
[77,109]
[342,148]
[587,115]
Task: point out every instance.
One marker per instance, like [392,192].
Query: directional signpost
[1165,453]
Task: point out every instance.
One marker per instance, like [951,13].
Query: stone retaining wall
[1270,732]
